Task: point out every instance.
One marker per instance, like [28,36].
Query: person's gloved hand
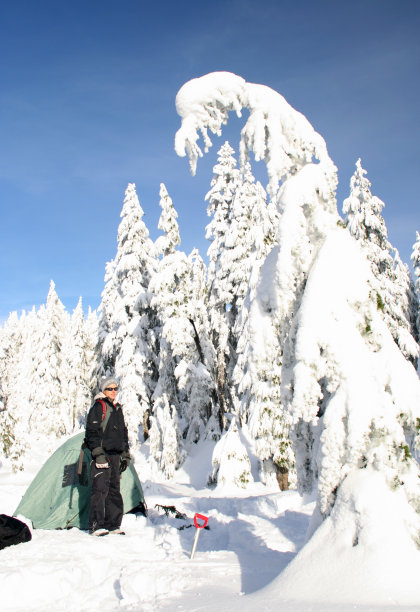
[100,460]
[124,461]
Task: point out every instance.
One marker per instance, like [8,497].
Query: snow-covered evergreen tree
[257,384]
[224,185]
[48,406]
[230,461]
[415,258]
[80,359]
[405,310]
[168,224]
[195,371]
[225,182]
[11,443]
[250,238]
[352,398]
[92,348]
[21,363]
[106,333]
[392,279]
[48,363]
[185,390]
[9,340]
[164,436]
[127,317]
[166,297]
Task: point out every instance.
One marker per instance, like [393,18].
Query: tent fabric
[58,498]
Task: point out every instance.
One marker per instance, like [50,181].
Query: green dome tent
[58,498]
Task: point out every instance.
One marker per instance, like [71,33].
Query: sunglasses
[111,389]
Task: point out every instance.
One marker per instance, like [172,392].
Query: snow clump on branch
[274,131]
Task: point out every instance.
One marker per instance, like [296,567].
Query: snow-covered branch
[275,132]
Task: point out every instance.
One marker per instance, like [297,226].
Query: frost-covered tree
[36,372]
[127,317]
[391,278]
[184,392]
[168,224]
[415,258]
[164,436]
[195,371]
[352,399]
[80,361]
[7,436]
[405,310]
[22,358]
[225,182]
[47,370]
[9,348]
[230,461]
[92,348]
[164,424]
[48,408]
[257,384]
[12,444]
[106,334]
[250,238]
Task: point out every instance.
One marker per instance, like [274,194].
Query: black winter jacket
[115,438]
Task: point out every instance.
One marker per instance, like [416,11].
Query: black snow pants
[106,503]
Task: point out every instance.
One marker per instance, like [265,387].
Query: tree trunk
[282,474]
[146,424]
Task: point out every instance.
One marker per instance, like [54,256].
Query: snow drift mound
[361,553]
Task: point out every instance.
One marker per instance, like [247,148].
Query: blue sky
[87,93]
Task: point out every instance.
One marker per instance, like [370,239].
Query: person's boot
[99,532]
[116,531]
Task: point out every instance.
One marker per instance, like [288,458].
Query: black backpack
[13,531]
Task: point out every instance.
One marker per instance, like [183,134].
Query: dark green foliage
[379,302]
[6,434]
[404,449]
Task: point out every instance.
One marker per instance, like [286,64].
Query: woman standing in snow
[107,439]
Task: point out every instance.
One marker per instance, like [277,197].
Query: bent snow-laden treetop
[275,132]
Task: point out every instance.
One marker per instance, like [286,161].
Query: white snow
[254,535]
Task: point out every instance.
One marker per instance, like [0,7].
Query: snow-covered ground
[253,536]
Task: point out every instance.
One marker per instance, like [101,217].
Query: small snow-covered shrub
[230,461]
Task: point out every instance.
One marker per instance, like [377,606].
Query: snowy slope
[253,536]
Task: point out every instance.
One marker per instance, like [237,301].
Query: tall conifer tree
[184,395]
[394,294]
[225,182]
[126,314]
[415,258]
[47,401]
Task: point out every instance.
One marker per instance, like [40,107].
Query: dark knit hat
[108,381]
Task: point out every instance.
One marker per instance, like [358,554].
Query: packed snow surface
[254,535]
